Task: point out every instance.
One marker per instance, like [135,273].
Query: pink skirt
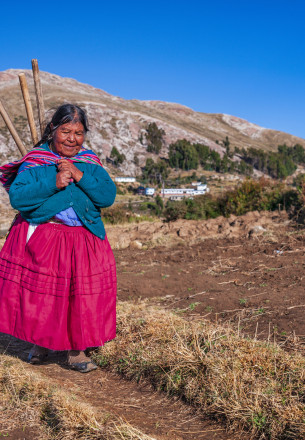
[59,289]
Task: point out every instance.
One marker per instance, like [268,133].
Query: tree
[298,153]
[186,156]
[155,172]
[154,136]
[226,144]
[182,154]
[118,158]
[215,161]
[159,202]
[244,168]
[203,153]
[278,164]
[225,164]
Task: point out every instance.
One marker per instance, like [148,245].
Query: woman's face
[68,139]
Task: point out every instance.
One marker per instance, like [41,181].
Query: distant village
[170,193]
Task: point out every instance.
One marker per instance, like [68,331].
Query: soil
[249,272]
[255,280]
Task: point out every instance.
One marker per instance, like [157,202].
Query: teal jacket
[35,195]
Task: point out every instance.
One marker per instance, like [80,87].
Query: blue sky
[245,58]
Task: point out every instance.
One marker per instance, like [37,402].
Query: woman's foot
[77,360]
[37,355]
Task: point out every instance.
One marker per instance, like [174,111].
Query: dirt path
[153,413]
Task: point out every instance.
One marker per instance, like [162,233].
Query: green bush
[250,195]
[257,195]
[115,214]
[154,209]
[198,208]
[299,181]
[159,202]
[175,210]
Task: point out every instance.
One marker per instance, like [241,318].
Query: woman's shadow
[20,349]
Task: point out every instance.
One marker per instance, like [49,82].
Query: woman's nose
[71,137]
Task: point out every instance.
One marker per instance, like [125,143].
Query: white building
[184,192]
[125,179]
[202,187]
[149,191]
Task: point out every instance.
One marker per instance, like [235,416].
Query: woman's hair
[64,114]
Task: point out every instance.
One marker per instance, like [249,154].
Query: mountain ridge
[121,123]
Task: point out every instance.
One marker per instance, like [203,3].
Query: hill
[122,123]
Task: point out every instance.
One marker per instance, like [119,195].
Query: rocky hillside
[122,123]
[118,122]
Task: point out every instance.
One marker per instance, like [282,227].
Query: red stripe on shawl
[39,157]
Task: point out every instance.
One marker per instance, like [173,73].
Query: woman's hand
[66,165]
[63,179]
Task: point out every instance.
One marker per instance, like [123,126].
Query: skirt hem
[58,290]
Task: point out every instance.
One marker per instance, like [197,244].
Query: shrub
[250,195]
[175,210]
[159,202]
[115,214]
[201,207]
[253,195]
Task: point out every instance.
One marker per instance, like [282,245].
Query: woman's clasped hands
[67,172]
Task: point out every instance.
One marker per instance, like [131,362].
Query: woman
[57,270]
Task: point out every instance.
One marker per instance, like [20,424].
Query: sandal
[77,360]
[83,367]
[37,355]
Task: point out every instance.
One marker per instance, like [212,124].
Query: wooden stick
[12,129]
[28,107]
[39,98]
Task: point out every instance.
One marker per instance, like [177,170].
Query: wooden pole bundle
[28,107]
[12,129]
[38,90]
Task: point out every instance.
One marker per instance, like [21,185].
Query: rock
[256,230]
[146,234]
[118,241]
[136,244]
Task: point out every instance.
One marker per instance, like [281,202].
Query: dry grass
[251,385]
[29,400]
